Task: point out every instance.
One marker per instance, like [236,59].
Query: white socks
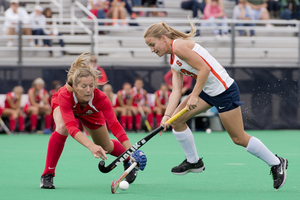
[187,143]
[258,149]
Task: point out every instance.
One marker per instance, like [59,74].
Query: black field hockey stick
[144,118]
[136,146]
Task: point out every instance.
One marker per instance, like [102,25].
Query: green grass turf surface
[231,172]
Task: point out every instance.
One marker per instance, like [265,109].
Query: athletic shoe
[279,172]
[132,175]
[47,182]
[186,167]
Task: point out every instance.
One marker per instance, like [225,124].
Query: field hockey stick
[136,146]
[115,185]
[4,126]
[144,117]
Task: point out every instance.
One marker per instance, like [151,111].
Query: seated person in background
[290,9]
[187,83]
[161,102]
[140,102]
[124,100]
[213,10]
[38,25]
[12,109]
[38,104]
[259,10]
[102,80]
[193,5]
[117,11]
[98,8]
[154,4]
[242,11]
[56,85]
[273,8]
[12,17]
[119,111]
[53,31]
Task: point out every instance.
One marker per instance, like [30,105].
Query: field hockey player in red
[80,98]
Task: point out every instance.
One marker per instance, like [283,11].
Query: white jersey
[218,79]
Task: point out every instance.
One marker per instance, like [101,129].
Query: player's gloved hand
[139,157]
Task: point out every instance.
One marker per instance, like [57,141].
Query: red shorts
[25,108]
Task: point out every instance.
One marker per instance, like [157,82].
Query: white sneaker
[10,43]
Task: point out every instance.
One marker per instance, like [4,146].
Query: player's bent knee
[238,141]
[61,129]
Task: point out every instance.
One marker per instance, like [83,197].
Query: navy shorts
[228,100]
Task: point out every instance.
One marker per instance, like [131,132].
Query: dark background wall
[271,95]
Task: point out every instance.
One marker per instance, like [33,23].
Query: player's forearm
[82,139]
[173,102]
[126,144]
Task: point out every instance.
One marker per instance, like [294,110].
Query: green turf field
[231,172]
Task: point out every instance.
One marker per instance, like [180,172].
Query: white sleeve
[236,12]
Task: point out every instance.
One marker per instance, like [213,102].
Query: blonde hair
[80,68]
[38,81]
[107,86]
[18,88]
[159,29]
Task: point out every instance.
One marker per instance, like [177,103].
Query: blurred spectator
[11,108]
[273,8]
[39,24]
[124,100]
[140,101]
[290,9]
[38,104]
[242,11]
[102,75]
[161,102]
[56,85]
[137,4]
[98,8]
[259,10]
[193,5]
[4,4]
[187,83]
[213,10]
[154,4]
[13,15]
[53,31]
[117,11]
[121,112]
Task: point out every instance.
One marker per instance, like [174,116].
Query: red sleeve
[111,119]
[168,77]
[65,106]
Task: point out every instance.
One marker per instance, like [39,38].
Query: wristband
[168,115]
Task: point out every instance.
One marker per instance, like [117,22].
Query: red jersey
[8,95]
[163,98]
[38,96]
[125,98]
[97,111]
[138,97]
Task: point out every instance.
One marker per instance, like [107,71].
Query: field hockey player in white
[214,87]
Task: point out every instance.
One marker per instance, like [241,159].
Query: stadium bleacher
[125,44]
